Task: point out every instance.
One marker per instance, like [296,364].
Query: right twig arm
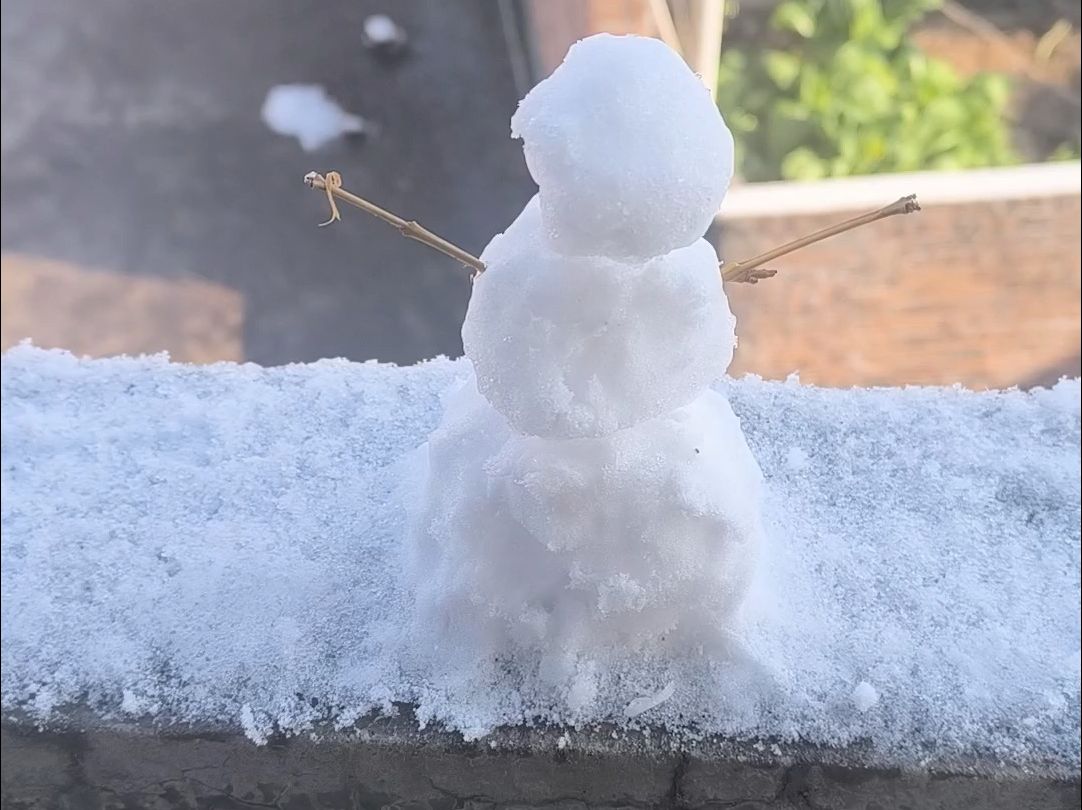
[751,270]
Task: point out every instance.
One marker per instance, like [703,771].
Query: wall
[981,287]
[391,764]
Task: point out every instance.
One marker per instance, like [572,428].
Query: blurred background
[153,156]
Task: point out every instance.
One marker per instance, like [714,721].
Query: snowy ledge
[210,553]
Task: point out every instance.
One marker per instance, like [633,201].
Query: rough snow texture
[570,347]
[584,550]
[221,544]
[631,155]
[307,113]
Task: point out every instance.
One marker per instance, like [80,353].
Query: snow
[629,151]
[571,347]
[573,553]
[641,705]
[222,544]
[379,29]
[865,696]
[307,113]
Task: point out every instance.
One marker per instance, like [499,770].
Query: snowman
[587,494]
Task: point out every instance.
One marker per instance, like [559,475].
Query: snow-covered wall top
[219,544]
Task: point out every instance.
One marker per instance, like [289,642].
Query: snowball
[630,153]
[642,539]
[307,113]
[571,347]
[865,696]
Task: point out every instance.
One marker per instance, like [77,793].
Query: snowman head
[629,150]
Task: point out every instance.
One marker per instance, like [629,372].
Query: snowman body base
[582,550]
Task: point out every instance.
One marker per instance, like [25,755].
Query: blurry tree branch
[981,27]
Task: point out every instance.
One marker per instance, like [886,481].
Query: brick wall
[982,292]
[101,312]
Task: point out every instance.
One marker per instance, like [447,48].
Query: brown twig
[332,184]
[751,270]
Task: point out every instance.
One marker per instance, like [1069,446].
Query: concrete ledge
[390,762]
[910,521]
[779,199]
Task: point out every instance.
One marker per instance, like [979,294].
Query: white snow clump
[307,113]
[865,696]
[630,152]
[568,347]
[579,546]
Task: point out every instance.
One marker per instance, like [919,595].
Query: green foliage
[841,91]
[1066,151]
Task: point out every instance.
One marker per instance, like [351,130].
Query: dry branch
[332,184]
[751,270]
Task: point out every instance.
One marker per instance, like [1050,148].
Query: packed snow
[379,29]
[307,113]
[865,696]
[585,549]
[570,347]
[629,150]
[222,543]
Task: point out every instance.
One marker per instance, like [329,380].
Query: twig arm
[408,228]
[751,270]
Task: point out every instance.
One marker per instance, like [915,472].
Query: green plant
[1066,151]
[839,90]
